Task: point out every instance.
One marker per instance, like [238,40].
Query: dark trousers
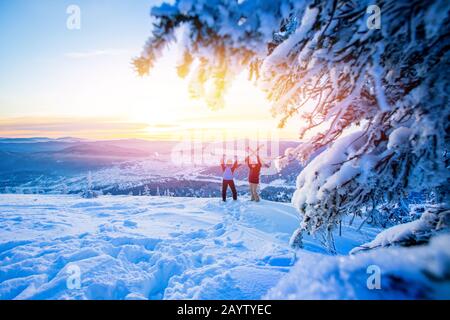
[225,185]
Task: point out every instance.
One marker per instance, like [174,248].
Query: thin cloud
[96,53]
[73,127]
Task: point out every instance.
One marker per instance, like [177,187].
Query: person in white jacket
[228,170]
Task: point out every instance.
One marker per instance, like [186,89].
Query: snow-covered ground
[128,247]
[417,272]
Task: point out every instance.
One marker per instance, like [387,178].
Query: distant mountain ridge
[128,166]
[95,149]
[40,139]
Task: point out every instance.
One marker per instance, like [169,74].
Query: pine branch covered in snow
[435,220]
[406,273]
[89,193]
[320,63]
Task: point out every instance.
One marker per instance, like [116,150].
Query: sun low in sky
[56,81]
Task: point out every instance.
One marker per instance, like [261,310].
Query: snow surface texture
[421,272]
[149,247]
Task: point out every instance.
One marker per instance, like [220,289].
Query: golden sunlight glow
[104,99]
[170,111]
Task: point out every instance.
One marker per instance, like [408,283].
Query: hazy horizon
[124,139]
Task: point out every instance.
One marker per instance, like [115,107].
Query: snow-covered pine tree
[327,65]
[89,193]
[146,190]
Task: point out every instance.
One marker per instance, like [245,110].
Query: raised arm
[260,163]
[222,163]
[236,164]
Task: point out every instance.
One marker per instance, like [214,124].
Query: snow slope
[147,247]
[418,272]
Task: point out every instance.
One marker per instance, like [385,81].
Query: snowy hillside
[148,247]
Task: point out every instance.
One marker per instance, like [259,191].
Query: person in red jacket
[253,176]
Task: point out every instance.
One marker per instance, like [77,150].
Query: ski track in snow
[145,247]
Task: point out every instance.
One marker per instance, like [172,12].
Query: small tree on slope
[89,193]
[320,63]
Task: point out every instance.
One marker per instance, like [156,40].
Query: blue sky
[60,82]
[36,42]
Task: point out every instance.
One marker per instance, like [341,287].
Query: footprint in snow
[218,230]
[103,215]
[130,224]
[237,245]
[86,205]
